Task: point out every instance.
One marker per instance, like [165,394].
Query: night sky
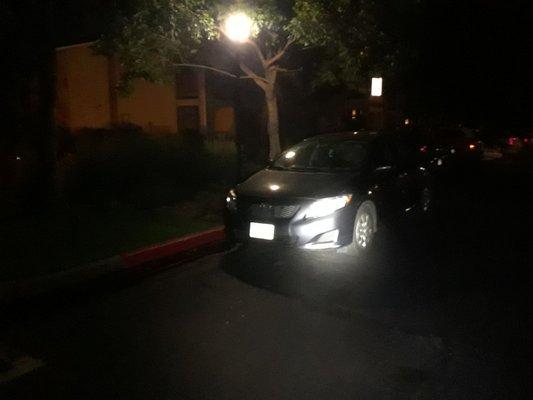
[473,61]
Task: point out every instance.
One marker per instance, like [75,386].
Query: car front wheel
[364,229]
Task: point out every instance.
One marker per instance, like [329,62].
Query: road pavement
[437,310]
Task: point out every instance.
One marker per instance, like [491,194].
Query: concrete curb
[173,247]
[158,255]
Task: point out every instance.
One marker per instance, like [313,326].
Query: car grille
[272,211]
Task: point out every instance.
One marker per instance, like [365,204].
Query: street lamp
[238,27]
[377,85]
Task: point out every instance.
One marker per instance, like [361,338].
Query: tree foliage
[344,38]
[152,37]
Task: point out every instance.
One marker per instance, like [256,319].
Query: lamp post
[238,27]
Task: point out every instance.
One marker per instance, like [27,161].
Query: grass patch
[117,190]
[42,245]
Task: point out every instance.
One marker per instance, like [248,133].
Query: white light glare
[238,27]
[327,206]
[274,187]
[290,154]
[262,231]
[317,227]
[230,200]
[377,86]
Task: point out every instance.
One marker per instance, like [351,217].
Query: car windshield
[346,155]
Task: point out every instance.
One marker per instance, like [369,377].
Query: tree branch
[249,42]
[251,75]
[279,69]
[262,82]
[257,51]
[281,53]
[220,71]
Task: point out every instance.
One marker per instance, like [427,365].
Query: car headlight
[231,200]
[323,207]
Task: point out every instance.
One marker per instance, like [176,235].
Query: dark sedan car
[330,191]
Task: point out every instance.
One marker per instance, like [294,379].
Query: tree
[154,37]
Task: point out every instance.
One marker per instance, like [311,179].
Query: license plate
[261,231]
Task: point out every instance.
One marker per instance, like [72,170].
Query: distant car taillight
[423,149]
[513,141]
[471,146]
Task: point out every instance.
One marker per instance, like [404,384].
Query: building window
[188,119]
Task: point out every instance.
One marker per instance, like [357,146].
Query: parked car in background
[460,145]
[527,139]
[519,140]
[430,153]
[506,141]
[331,191]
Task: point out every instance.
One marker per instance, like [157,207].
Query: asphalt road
[438,310]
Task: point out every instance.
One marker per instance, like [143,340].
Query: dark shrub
[129,166]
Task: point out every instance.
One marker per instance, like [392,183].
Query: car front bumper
[332,231]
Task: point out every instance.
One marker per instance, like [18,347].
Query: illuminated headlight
[231,200]
[323,207]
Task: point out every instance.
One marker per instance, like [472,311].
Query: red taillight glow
[513,140]
[472,146]
[423,149]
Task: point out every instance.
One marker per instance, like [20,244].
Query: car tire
[364,229]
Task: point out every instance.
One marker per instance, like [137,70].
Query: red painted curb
[173,247]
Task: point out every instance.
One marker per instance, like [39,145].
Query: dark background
[473,64]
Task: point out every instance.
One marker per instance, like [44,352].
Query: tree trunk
[272,122]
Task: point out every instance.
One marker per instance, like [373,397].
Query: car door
[384,177]
[408,172]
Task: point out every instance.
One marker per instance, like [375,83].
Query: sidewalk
[153,257]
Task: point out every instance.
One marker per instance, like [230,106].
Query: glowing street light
[377,85]
[238,27]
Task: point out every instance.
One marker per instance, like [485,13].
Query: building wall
[151,106]
[82,97]
[86,98]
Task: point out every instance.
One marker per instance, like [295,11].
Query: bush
[129,166]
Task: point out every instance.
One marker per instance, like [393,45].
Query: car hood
[295,184]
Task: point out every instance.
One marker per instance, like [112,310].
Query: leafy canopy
[151,37]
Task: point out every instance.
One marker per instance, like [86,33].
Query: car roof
[358,135]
